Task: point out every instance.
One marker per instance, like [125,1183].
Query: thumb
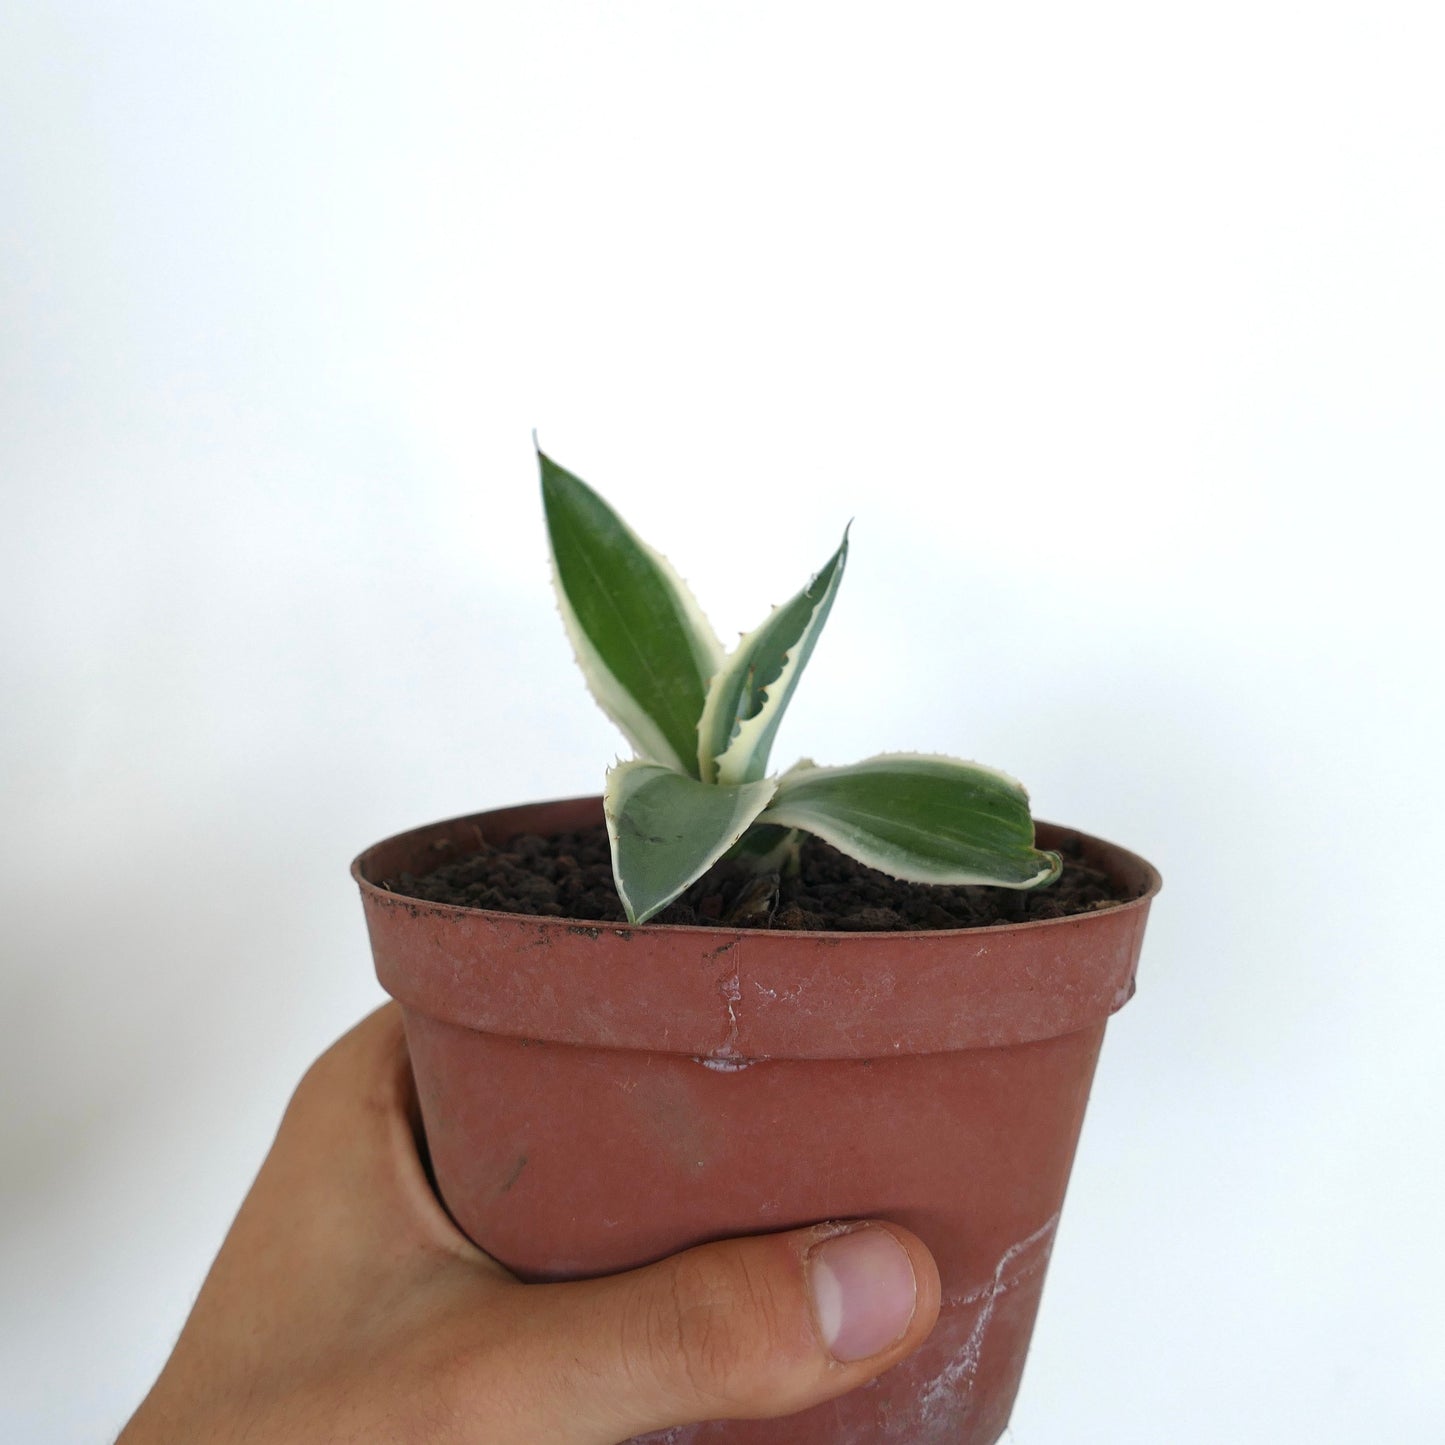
[740,1329]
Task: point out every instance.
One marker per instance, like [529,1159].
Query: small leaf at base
[667,830]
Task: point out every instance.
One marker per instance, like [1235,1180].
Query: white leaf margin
[634,721]
[798,815]
[731,765]
[623,780]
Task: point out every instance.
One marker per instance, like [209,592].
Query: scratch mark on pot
[788,995]
[515,1175]
[942,1394]
[722,948]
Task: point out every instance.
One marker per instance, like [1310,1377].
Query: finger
[740,1329]
[346,1166]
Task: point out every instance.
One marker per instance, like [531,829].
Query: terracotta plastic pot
[596,1097]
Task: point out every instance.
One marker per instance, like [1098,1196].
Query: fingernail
[863,1292]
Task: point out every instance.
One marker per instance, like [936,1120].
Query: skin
[345,1306]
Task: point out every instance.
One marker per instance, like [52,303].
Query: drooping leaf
[667,830]
[641,640]
[921,817]
[747,697]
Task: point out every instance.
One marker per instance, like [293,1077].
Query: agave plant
[702,721]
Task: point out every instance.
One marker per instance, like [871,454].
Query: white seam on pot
[958,1375]
[995,1289]
[727,1058]
[722,1065]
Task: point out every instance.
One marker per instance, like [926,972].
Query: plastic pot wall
[598,1096]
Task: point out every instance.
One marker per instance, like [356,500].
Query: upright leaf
[641,640]
[668,830]
[747,697]
[924,818]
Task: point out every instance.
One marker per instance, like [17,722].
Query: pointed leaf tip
[748,696]
[644,646]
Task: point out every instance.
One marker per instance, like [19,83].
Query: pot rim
[729,994]
[1149,884]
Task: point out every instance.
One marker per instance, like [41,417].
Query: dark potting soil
[570,876]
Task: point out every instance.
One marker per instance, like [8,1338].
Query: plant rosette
[598,1095]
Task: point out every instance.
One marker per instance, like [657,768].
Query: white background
[1118,329]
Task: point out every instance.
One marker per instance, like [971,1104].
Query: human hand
[345,1307]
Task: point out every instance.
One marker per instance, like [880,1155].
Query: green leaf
[766,849]
[667,830]
[917,816]
[746,699]
[641,640]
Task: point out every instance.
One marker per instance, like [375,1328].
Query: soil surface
[570,876]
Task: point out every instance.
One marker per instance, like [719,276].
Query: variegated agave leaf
[667,830]
[766,849]
[641,640]
[747,697]
[920,817]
